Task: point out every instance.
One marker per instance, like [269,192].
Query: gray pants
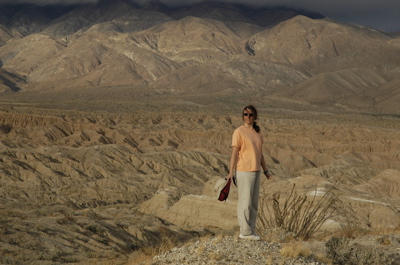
[248,184]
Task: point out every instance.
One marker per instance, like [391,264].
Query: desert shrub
[351,228]
[342,252]
[294,250]
[337,249]
[145,255]
[139,258]
[297,215]
[353,223]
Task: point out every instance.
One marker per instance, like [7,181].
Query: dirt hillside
[77,184]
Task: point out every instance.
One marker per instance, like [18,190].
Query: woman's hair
[254,111]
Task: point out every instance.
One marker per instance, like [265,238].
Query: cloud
[48,2]
[382,14]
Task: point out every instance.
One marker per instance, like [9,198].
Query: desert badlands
[95,186]
[113,137]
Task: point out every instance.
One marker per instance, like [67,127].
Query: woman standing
[247,160]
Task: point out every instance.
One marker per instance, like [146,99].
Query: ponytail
[256,127]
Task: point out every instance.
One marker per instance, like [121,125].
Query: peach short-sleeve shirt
[249,143]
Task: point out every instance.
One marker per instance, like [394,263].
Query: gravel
[229,250]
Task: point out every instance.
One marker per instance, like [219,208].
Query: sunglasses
[248,114]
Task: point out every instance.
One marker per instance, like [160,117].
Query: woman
[247,160]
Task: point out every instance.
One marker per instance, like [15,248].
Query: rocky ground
[229,250]
[97,183]
[232,250]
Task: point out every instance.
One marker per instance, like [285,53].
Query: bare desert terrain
[116,123]
[97,181]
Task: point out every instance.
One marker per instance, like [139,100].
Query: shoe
[250,237]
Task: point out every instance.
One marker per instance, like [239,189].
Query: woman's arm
[264,167]
[233,162]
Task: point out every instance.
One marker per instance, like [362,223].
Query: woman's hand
[230,176]
[267,174]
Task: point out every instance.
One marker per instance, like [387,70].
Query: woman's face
[248,116]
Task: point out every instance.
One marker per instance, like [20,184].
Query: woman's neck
[248,126]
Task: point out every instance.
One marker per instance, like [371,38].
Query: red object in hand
[223,195]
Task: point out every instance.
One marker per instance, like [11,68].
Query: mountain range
[281,55]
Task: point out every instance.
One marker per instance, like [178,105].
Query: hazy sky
[380,14]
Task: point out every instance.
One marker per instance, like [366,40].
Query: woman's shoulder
[239,129]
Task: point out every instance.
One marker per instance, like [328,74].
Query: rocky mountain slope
[205,48]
